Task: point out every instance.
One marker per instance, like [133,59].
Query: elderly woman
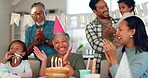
[132,34]
[61,44]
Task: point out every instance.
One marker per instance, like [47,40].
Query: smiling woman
[74,62]
[132,35]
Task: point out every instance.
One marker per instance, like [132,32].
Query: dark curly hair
[92,4]
[129,3]
[24,48]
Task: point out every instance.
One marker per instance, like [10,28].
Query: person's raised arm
[28,42]
[30,48]
[42,56]
[66,63]
[110,51]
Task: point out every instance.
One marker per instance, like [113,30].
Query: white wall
[5,11]
[72,8]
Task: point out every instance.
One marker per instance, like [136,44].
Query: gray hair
[58,34]
[38,4]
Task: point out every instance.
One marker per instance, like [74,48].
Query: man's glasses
[40,13]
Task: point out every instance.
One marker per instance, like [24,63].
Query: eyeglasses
[40,13]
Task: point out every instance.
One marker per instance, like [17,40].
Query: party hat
[57,26]
[124,70]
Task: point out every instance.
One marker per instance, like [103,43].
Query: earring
[131,36]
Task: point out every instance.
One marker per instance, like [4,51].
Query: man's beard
[40,24]
[101,16]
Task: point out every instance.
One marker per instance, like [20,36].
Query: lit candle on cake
[94,66]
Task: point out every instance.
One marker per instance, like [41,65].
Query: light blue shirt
[48,28]
[138,63]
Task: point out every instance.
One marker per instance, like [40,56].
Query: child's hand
[7,56]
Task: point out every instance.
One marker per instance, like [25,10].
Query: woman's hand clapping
[40,54]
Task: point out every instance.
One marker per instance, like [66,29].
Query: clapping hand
[39,37]
[109,30]
[65,58]
[110,51]
[40,54]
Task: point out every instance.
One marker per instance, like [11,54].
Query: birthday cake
[57,72]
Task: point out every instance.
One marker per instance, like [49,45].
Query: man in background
[101,27]
[39,34]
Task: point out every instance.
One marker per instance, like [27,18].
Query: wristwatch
[46,41]
[66,64]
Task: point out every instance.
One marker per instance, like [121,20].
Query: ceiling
[15,2]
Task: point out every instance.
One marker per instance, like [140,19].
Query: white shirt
[23,70]
[125,15]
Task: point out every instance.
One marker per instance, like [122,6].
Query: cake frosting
[57,72]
